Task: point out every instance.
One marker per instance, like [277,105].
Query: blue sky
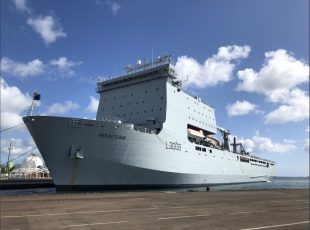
[248,59]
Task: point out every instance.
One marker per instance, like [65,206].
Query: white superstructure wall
[183,109]
[135,103]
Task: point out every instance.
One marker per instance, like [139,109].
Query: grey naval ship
[148,133]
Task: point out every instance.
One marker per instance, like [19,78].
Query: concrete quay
[251,210]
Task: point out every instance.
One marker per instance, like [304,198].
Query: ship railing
[129,125]
[140,67]
[113,119]
[259,158]
[144,130]
[34,112]
[30,173]
[149,64]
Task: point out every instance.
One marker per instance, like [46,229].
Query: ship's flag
[36,96]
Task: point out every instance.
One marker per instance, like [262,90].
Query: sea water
[274,183]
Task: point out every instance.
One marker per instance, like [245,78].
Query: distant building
[32,167]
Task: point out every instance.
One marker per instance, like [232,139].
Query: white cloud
[295,109]
[308,129]
[289,141]
[278,80]
[280,73]
[13,104]
[49,29]
[93,105]
[32,68]
[62,108]
[60,66]
[46,26]
[22,5]
[64,65]
[240,108]
[19,146]
[259,144]
[306,146]
[214,70]
[114,6]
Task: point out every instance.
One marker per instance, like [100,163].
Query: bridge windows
[244,159]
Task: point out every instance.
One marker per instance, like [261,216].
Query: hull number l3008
[173,145]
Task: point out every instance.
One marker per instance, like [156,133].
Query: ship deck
[260,209]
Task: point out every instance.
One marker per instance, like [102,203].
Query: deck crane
[225,134]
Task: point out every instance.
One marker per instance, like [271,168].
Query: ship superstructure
[147,133]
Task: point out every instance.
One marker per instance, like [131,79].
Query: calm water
[276,183]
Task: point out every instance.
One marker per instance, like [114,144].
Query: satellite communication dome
[32,161]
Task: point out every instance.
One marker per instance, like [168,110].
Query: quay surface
[259,209]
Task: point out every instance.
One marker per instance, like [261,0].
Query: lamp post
[7,164]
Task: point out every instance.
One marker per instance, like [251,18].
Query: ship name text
[110,136]
[173,145]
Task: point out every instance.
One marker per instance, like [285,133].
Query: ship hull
[108,155]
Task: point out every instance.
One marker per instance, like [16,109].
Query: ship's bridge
[147,74]
[138,97]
